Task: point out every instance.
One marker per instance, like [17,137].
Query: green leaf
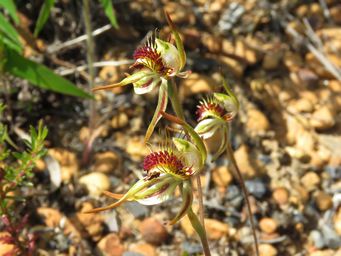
[7,29]
[40,75]
[110,12]
[43,16]
[10,7]
[5,40]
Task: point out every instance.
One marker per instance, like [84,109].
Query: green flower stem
[174,97]
[200,230]
[199,226]
[232,160]
[177,107]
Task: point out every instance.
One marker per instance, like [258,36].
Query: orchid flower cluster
[155,62]
[214,114]
[172,166]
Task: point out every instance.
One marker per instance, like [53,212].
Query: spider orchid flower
[214,114]
[165,170]
[155,63]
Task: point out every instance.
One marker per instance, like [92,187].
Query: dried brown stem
[233,161]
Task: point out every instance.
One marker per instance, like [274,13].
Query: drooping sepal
[147,83]
[187,199]
[128,80]
[158,192]
[161,107]
[139,186]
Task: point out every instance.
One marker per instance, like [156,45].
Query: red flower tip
[162,159]
[147,56]
[208,108]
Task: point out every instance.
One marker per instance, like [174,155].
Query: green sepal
[178,41]
[161,107]
[187,200]
[190,152]
[231,94]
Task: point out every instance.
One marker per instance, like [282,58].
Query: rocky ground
[283,59]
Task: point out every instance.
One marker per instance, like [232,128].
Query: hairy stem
[90,54]
[200,230]
[233,161]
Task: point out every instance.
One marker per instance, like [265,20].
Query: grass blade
[40,75]
[43,16]
[7,29]
[110,12]
[11,9]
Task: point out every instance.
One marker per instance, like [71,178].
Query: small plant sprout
[155,63]
[15,173]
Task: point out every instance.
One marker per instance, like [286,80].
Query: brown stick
[232,160]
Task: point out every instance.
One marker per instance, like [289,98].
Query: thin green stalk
[200,230]
[177,107]
[232,160]
[90,54]
[174,97]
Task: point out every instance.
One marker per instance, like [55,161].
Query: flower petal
[159,192]
[170,55]
[223,144]
[230,104]
[194,135]
[128,80]
[187,199]
[161,107]
[178,41]
[207,127]
[231,94]
[147,83]
[138,186]
[190,152]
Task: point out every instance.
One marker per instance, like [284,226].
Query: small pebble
[316,237]
[144,249]
[191,248]
[310,181]
[256,187]
[281,195]
[107,162]
[110,245]
[267,250]
[323,201]
[216,229]
[119,121]
[153,231]
[268,225]
[221,176]
[95,182]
